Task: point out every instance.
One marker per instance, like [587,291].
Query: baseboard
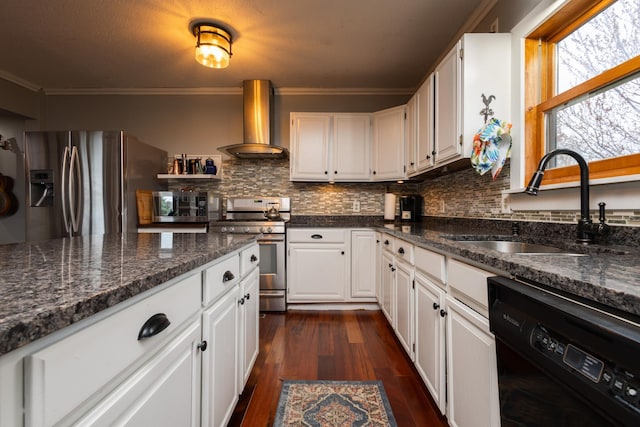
[336,306]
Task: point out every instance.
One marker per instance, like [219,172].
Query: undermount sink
[520,248]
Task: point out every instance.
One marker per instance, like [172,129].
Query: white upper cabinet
[310,139]
[419,130]
[330,147]
[478,65]
[388,144]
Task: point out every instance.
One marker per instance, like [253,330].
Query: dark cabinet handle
[390,265]
[227,276]
[247,296]
[241,301]
[443,313]
[377,241]
[374,172]
[253,258]
[401,251]
[316,236]
[335,172]
[393,269]
[153,326]
[436,306]
[326,172]
[386,242]
[341,252]
[202,346]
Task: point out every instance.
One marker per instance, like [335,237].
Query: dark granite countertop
[608,275]
[48,285]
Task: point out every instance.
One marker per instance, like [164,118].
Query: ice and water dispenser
[41,187]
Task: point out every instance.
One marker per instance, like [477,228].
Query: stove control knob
[246,229]
[231,229]
[268,229]
[223,229]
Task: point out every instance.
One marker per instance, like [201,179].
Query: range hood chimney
[257,104]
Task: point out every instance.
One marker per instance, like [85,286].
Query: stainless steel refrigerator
[84,182]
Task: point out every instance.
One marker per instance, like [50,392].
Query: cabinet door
[424,126]
[249,312]
[404,306]
[388,144]
[447,95]
[429,338]
[471,369]
[220,360]
[316,272]
[310,139]
[386,292]
[363,264]
[163,392]
[351,147]
[411,134]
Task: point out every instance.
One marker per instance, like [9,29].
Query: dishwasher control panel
[613,380]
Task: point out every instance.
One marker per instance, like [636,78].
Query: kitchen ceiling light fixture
[213,45]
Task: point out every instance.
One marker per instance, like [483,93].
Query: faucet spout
[585,233]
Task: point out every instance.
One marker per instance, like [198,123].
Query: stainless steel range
[266,215]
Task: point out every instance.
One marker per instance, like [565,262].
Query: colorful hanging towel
[491,147]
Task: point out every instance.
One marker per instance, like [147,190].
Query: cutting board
[144,202]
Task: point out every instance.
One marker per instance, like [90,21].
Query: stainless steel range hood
[257,103]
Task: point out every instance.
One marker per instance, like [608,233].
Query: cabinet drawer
[63,375]
[388,243]
[317,235]
[469,285]
[431,264]
[249,258]
[404,250]
[219,278]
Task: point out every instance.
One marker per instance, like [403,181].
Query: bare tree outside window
[604,124]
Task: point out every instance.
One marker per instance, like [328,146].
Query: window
[583,89]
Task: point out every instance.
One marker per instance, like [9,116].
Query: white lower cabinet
[387,300]
[364,249]
[249,316]
[404,306]
[164,392]
[430,338]
[471,369]
[317,265]
[220,329]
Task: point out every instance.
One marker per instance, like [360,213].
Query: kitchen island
[48,285]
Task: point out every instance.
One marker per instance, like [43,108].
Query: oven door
[272,273]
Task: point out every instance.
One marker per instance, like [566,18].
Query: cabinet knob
[228,276]
[374,172]
[253,258]
[443,313]
[390,265]
[153,326]
[241,301]
[386,242]
[428,157]
[202,346]
[401,251]
[326,172]
[436,306]
[341,252]
[247,296]
[393,269]
[335,172]
[412,163]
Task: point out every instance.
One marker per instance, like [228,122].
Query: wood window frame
[539,62]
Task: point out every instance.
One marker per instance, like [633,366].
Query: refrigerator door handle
[74,171]
[64,188]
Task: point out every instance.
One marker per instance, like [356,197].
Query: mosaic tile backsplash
[462,194]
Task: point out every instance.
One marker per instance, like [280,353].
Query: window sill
[618,194]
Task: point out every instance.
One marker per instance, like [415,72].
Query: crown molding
[18,81]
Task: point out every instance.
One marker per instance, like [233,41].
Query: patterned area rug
[333,404]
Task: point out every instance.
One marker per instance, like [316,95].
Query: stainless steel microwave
[183,206]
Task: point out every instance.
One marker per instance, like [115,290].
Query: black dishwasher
[561,362]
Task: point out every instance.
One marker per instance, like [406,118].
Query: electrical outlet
[493,28]
[356,206]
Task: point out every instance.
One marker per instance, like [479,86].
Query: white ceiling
[147,44]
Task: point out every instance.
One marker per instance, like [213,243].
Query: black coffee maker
[411,208]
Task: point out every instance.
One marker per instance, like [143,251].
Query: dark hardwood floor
[333,345]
